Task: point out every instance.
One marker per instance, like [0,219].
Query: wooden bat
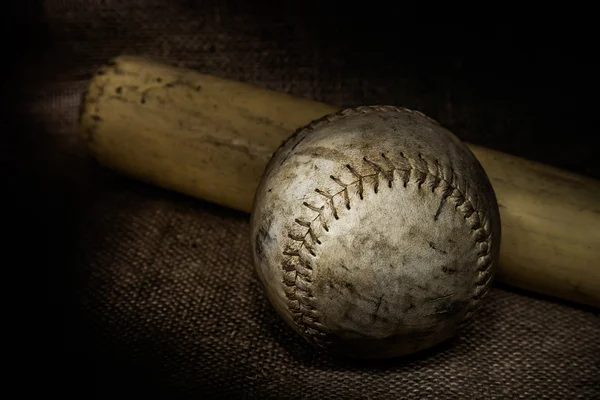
[211,138]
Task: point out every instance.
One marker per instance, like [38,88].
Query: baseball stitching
[298,272]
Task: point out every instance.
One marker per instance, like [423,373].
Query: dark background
[527,89]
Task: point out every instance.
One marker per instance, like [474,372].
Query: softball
[375,232]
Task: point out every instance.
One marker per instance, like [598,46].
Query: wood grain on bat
[211,138]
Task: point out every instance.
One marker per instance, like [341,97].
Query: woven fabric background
[153,294]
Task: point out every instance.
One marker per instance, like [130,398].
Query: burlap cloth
[156,292]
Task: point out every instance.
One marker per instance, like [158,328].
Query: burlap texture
[159,294]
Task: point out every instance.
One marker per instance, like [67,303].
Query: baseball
[375,232]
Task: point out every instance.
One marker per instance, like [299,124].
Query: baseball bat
[211,138]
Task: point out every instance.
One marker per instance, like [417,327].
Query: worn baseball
[375,232]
